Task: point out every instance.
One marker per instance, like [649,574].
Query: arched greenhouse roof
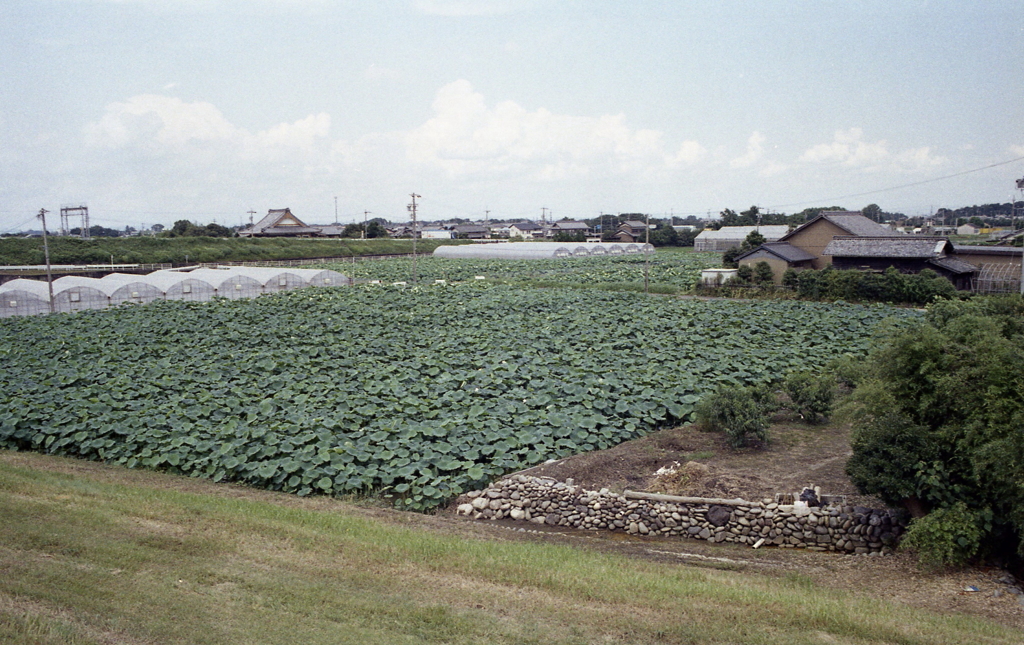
[538,250]
[23,297]
[75,293]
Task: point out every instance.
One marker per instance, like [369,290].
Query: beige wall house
[813,236]
[780,256]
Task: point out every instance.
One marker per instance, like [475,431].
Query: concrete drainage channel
[834,526]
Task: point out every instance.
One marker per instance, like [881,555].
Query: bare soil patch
[797,456]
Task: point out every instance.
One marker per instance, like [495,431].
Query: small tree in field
[812,395]
[740,412]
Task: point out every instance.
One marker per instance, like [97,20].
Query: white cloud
[690,152]
[849,149]
[154,119]
[304,133]
[164,124]
[755,150]
[465,136]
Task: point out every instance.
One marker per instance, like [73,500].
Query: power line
[884,190]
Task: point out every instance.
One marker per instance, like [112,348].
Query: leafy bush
[890,286]
[812,395]
[947,537]
[763,273]
[847,370]
[937,418]
[740,412]
[790,279]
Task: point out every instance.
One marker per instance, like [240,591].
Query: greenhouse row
[23,297]
[540,250]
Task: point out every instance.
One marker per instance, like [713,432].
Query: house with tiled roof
[905,253]
[526,230]
[779,256]
[280,222]
[471,232]
[813,236]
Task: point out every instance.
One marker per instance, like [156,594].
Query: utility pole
[647,258]
[487,217]
[365,213]
[251,213]
[46,255]
[412,209]
[335,210]
[1013,211]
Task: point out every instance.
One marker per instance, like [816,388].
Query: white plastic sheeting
[539,250]
[24,297]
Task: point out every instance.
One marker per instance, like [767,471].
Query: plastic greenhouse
[229,283]
[538,250]
[24,297]
[131,288]
[72,293]
[181,286]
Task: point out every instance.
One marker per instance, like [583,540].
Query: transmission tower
[67,212]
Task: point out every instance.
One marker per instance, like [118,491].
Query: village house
[471,232]
[905,253]
[280,222]
[526,230]
[569,227]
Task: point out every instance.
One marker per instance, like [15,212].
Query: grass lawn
[96,554]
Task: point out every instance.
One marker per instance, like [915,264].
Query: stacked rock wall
[836,527]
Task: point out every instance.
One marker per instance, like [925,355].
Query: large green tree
[939,419]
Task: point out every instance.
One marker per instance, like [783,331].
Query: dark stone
[719,515]
[553,519]
[808,496]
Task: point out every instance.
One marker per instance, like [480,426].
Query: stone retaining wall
[836,527]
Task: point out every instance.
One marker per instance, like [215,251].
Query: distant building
[568,227]
[280,222]
[471,232]
[526,230]
[436,234]
[729,237]
[907,254]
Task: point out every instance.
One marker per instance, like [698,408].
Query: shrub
[791,279]
[946,537]
[740,412]
[847,370]
[937,418]
[763,274]
[812,395]
[745,273]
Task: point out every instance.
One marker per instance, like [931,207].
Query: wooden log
[675,499]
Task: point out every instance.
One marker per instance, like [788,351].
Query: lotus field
[419,393]
[677,268]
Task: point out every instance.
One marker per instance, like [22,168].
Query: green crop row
[679,269]
[419,392]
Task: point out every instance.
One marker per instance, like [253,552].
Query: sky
[151,111]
